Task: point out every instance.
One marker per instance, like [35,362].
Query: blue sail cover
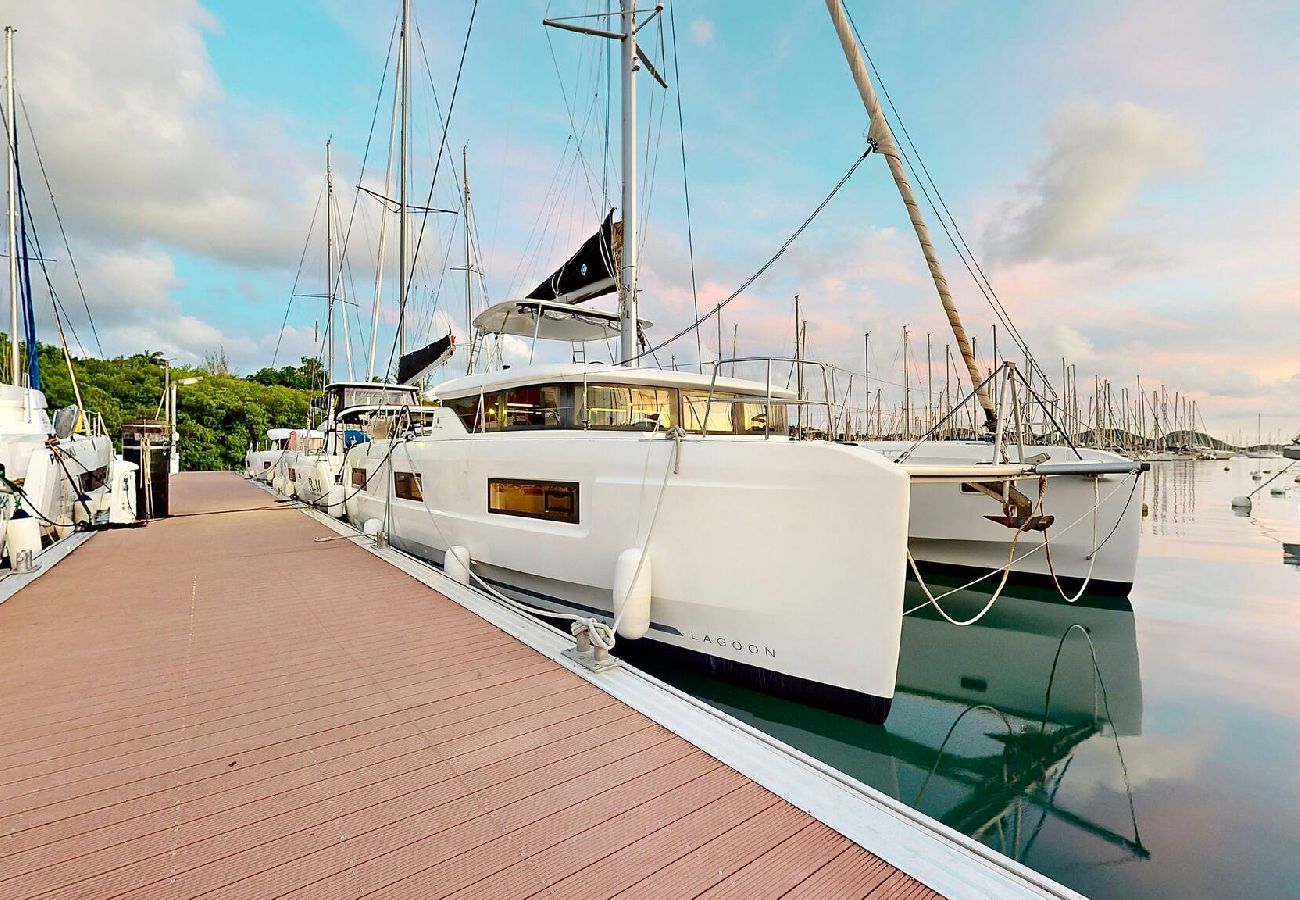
[25,265]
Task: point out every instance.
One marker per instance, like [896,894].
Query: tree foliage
[217,416]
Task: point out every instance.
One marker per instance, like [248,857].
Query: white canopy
[559,321]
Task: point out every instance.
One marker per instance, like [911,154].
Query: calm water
[1173,773]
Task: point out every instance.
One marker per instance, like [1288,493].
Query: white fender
[277,484]
[632,598]
[1241,503]
[22,533]
[372,527]
[334,504]
[319,483]
[455,564]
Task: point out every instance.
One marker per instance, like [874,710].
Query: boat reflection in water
[987,719]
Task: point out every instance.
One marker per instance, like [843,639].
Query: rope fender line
[932,600]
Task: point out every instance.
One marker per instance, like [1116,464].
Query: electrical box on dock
[147,443]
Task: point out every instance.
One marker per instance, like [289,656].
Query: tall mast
[329,264]
[469,265]
[630,64]
[879,133]
[405,60]
[907,391]
[12,142]
[866,355]
[627,284]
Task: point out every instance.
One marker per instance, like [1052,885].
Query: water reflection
[987,718]
[1169,490]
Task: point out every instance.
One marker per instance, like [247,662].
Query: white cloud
[702,31]
[141,143]
[1098,161]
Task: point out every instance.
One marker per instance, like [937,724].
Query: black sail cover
[589,272]
[416,363]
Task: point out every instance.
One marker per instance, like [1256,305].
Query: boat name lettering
[738,646]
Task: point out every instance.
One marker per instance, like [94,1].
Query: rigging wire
[45,272]
[293,291]
[959,243]
[365,157]
[686,188]
[700,320]
[437,164]
[31,136]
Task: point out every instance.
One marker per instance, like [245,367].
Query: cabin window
[535,406]
[753,418]
[467,409]
[695,405]
[266,464]
[630,407]
[293,474]
[94,479]
[358,478]
[407,486]
[552,501]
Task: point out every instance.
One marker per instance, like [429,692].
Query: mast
[929,387]
[469,265]
[866,355]
[402,236]
[627,284]
[329,263]
[879,133]
[12,142]
[907,391]
[630,64]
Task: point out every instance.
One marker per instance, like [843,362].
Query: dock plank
[222,705]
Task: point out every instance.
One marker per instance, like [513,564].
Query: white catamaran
[680,509]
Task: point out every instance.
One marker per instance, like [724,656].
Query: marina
[763,548]
[242,723]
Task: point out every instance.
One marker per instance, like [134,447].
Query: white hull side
[785,556]
[260,464]
[948,526]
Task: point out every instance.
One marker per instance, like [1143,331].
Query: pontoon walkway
[218,704]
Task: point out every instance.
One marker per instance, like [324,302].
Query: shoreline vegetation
[217,415]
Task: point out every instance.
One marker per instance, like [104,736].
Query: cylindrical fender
[455,564]
[632,593]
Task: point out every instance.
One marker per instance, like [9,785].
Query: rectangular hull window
[407,486]
[358,478]
[293,475]
[552,501]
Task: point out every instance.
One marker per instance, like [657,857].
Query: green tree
[217,416]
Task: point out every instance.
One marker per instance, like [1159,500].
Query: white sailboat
[309,466]
[54,474]
[679,509]
[1088,532]
[260,460]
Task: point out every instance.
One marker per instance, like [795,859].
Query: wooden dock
[222,705]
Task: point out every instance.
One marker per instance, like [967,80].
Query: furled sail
[417,363]
[588,273]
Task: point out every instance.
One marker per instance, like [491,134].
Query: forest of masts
[934,400]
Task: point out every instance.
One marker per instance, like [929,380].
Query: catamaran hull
[774,563]
[953,532]
[260,464]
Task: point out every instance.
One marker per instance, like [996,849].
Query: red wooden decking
[217,705]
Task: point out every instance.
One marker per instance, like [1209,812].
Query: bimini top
[559,321]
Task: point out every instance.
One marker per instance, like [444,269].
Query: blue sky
[1122,170]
